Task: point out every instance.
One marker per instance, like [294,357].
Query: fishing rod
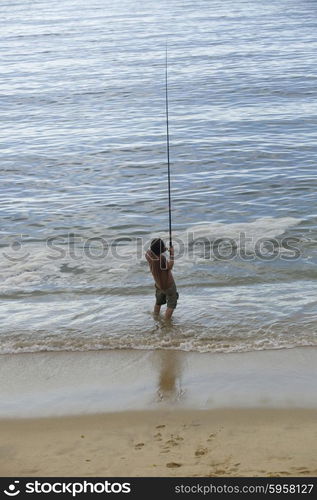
[168,155]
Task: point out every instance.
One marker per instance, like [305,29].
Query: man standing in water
[161,269]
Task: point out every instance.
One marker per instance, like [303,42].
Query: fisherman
[161,268]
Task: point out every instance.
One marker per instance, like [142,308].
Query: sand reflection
[169,382]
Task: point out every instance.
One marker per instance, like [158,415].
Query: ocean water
[83,173]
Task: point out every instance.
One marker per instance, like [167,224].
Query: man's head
[158,246]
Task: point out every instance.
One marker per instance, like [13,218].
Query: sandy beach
[159,414]
[163,443]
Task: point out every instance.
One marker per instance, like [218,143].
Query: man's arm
[170,262]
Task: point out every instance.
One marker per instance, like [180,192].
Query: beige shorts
[168,296]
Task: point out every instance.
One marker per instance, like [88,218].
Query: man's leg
[157,309]
[172,296]
[160,300]
[168,313]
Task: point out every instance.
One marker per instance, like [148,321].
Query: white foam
[268,227]
[264,227]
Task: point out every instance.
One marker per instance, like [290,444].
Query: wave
[250,232]
[37,266]
[23,343]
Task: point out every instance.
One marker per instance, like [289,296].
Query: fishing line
[168,155]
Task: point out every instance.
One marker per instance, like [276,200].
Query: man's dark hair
[158,246]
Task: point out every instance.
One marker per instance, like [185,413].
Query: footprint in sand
[211,437]
[220,471]
[171,442]
[179,438]
[139,446]
[173,465]
[201,451]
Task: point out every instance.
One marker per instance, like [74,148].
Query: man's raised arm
[170,262]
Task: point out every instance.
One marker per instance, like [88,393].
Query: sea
[83,166]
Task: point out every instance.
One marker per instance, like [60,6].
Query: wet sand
[49,384]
